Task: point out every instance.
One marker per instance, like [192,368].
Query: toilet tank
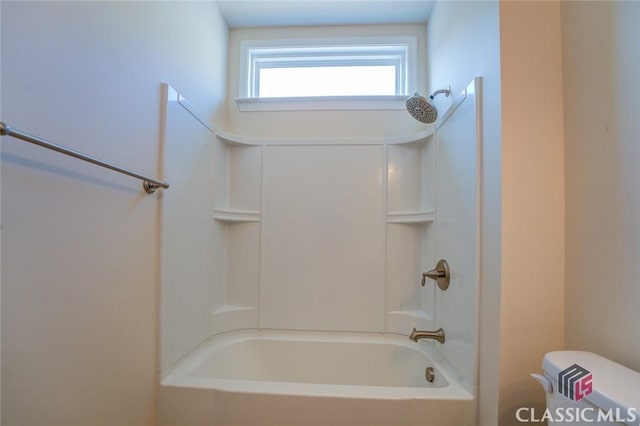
[585,388]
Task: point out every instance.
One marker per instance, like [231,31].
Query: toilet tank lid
[614,385]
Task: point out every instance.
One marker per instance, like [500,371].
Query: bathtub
[313,378]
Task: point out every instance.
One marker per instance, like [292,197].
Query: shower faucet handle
[441,275]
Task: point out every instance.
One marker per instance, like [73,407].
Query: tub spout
[435,335]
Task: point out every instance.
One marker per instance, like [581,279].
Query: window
[358,73]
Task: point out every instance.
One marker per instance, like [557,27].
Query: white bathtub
[281,378]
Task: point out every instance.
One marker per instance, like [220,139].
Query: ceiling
[272,13]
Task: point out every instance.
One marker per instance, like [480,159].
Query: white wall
[463,42]
[79,243]
[601,59]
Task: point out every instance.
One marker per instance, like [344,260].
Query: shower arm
[447,92]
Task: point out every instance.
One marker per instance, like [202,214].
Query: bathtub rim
[177,376]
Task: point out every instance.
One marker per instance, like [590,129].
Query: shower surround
[307,245]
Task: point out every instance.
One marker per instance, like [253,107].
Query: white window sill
[325,103]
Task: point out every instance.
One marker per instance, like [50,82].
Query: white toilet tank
[586,389]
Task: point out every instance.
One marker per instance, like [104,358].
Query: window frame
[398,51]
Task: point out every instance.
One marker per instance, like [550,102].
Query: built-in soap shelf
[404,321]
[422,315]
[410,169]
[231,308]
[236,216]
[232,317]
[410,217]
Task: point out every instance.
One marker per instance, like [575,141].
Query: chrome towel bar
[149,185]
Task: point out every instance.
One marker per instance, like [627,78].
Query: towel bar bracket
[150,187]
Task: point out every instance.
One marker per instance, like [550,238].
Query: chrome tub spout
[437,335]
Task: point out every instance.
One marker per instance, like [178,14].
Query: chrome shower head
[421,109]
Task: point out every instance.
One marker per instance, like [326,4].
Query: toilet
[584,388]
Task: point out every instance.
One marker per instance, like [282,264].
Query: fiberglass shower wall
[295,234]
[325,221]
[322,234]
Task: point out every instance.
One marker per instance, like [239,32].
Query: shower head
[421,109]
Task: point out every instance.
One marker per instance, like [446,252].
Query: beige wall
[532,290]
[601,59]
[80,243]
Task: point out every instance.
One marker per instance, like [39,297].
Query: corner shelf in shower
[237,222]
[236,216]
[231,317]
[410,217]
[403,321]
[421,315]
[231,308]
[410,176]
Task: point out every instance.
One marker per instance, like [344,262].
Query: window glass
[367,80]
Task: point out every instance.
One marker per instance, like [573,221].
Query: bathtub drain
[429,374]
